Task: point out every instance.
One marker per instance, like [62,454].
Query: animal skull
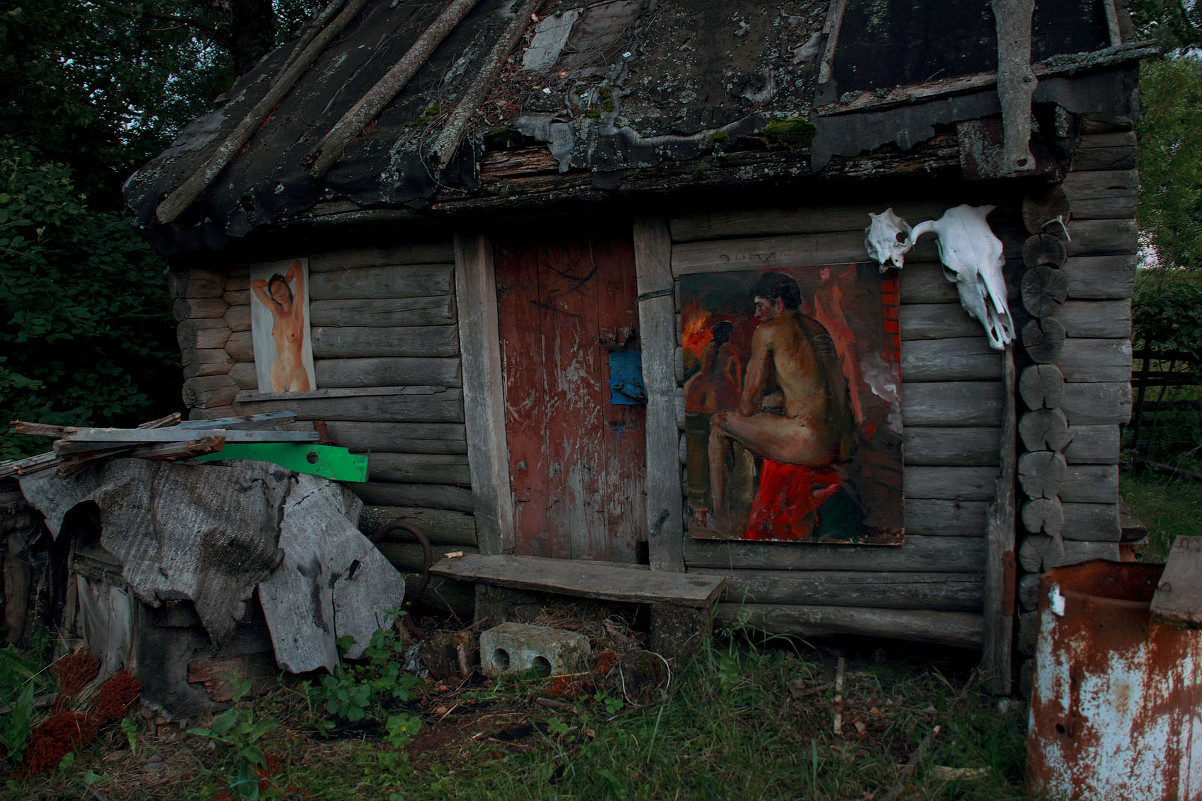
[887,238]
[972,258]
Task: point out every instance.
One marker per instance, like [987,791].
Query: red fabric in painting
[787,500]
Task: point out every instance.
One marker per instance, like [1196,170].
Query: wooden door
[576,460]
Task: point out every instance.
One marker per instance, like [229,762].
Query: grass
[742,720]
[1168,506]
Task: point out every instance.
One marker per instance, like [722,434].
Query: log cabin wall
[387,361]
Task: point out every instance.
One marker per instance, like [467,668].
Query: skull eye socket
[900,237]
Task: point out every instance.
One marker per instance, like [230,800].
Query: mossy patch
[794,133]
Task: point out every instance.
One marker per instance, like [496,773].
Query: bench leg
[679,631]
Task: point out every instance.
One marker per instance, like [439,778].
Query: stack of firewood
[166,439]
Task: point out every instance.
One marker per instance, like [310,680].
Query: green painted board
[328,461]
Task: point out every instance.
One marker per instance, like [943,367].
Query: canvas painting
[279,318]
[792,405]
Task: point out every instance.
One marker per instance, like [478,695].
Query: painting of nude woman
[280,326]
[792,405]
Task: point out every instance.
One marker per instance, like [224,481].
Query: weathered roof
[598,87]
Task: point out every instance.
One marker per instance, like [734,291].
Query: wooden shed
[500,239]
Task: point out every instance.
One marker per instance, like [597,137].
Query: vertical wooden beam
[483,392]
[834,21]
[657,324]
[1000,563]
[1015,82]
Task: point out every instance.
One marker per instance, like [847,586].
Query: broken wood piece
[837,701]
[37,429]
[28,465]
[265,420]
[177,434]
[170,451]
[170,420]
[1178,598]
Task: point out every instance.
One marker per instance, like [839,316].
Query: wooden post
[483,392]
[657,323]
[1000,565]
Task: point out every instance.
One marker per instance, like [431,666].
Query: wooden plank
[361,343]
[937,321]
[1178,598]
[1101,277]
[271,420]
[1095,360]
[604,581]
[178,434]
[425,496]
[410,253]
[969,446]
[1108,152]
[416,281]
[950,483]
[759,253]
[1093,522]
[927,517]
[1093,444]
[399,437]
[951,591]
[413,468]
[383,312]
[1103,237]
[1097,319]
[959,629]
[484,393]
[438,406]
[961,359]
[657,331]
[1000,572]
[440,526]
[786,221]
[1102,195]
[1097,404]
[918,554]
[1090,484]
[387,371]
[958,403]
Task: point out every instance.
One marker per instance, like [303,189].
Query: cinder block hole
[501,658]
[541,666]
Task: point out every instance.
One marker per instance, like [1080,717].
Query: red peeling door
[576,460]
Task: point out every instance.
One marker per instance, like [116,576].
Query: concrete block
[518,647]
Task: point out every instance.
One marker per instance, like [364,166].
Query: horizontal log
[417,281]
[935,517]
[1045,249]
[198,413]
[205,361]
[399,437]
[917,554]
[951,483]
[758,253]
[1110,151]
[1100,277]
[244,376]
[1041,206]
[411,253]
[238,297]
[198,308]
[778,221]
[440,406]
[1096,319]
[937,321]
[362,343]
[237,283]
[1097,404]
[195,283]
[238,318]
[406,556]
[1096,360]
[958,629]
[209,391]
[423,468]
[240,346]
[1086,483]
[210,332]
[952,446]
[384,312]
[1093,522]
[923,282]
[952,591]
[1093,444]
[425,496]
[1103,123]
[440,526]
[960,359]
[1103,237]
[1039,552]
[387,372]
[1102,195]
[957,403]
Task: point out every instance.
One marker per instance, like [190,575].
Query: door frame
[484,394]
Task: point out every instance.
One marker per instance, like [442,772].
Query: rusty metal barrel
[1116,706]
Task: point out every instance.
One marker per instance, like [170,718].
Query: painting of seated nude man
[792,405]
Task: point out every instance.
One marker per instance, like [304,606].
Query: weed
[240,731]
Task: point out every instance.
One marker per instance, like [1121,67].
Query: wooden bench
[682,604]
